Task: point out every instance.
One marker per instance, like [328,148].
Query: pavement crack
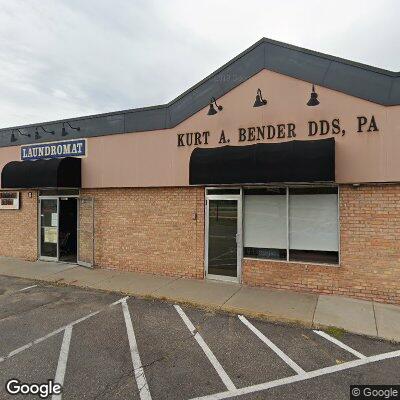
[240,288]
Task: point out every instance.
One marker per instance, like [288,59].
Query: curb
[273,318]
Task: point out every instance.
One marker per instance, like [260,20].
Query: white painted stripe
[25,288]
[62,360]
[210,355]
[41,339]
[272,346]
[298,378]
[16,351]
[55,332]
[140,377]
[340,344]
[119,301]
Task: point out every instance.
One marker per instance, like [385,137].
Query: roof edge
[161,107]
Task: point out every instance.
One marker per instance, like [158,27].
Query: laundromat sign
[45,151]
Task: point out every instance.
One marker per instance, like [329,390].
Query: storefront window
[313,225]
[265,228]
[296,224]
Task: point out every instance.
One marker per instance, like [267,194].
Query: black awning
[294,161]
[54,173]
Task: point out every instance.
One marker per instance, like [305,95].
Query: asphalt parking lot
[106,346]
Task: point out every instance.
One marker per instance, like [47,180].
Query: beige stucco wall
[145,159]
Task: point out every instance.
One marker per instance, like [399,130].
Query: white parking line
[62,360]
[25,288]
[298,378]
[340,344]
[55,332]
[210,355]
[272,346]
[137,364]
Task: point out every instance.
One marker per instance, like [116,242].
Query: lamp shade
[313,98]
[212,110]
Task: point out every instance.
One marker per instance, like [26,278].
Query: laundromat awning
[294,161]
[54,173]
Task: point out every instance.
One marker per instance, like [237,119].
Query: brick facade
[370,251]
[153,230]
[161,231]
[18,229]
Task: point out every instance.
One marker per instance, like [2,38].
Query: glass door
[49,229]
[68,229]
[223,238]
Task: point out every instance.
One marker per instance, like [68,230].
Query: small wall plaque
[9,200]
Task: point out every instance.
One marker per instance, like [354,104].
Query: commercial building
[280,169]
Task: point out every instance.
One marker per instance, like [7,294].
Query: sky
[69,58]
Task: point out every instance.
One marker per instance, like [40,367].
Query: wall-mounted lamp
[37,136]
[64,132]
[212,110]
[259,99]
[13,138]
[313,98]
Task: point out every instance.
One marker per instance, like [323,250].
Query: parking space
[244,357]
[35,312]
[9,285]
[104,346]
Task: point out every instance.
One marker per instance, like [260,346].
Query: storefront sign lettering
[193,138]
[68,148]
[279,131]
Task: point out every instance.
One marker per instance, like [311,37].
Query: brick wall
[150,230]
[18,229]
[370,251]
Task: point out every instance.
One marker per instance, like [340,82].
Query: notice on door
[54,219]
[50,234]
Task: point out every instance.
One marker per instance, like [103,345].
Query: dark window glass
[312,256]
[223,191]
[59,192]
[265,191]
[268,254]
[313,190]
[222,231]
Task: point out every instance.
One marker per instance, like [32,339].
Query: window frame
[287,188]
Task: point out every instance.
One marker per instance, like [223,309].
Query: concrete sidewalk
[357,316]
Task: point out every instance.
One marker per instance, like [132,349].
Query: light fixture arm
[20,133]
[215,102]
[44,130]
[66,122]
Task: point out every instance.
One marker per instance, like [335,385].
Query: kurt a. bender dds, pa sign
[67,148]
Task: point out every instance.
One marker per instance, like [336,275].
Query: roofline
[280,66]
[333,58]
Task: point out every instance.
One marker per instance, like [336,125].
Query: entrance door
[49,229]
[223,237]
[67,230]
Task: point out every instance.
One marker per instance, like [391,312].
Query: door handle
[237,236]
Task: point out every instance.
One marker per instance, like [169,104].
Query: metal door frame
[45,258]
[56,259]
[239,235]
